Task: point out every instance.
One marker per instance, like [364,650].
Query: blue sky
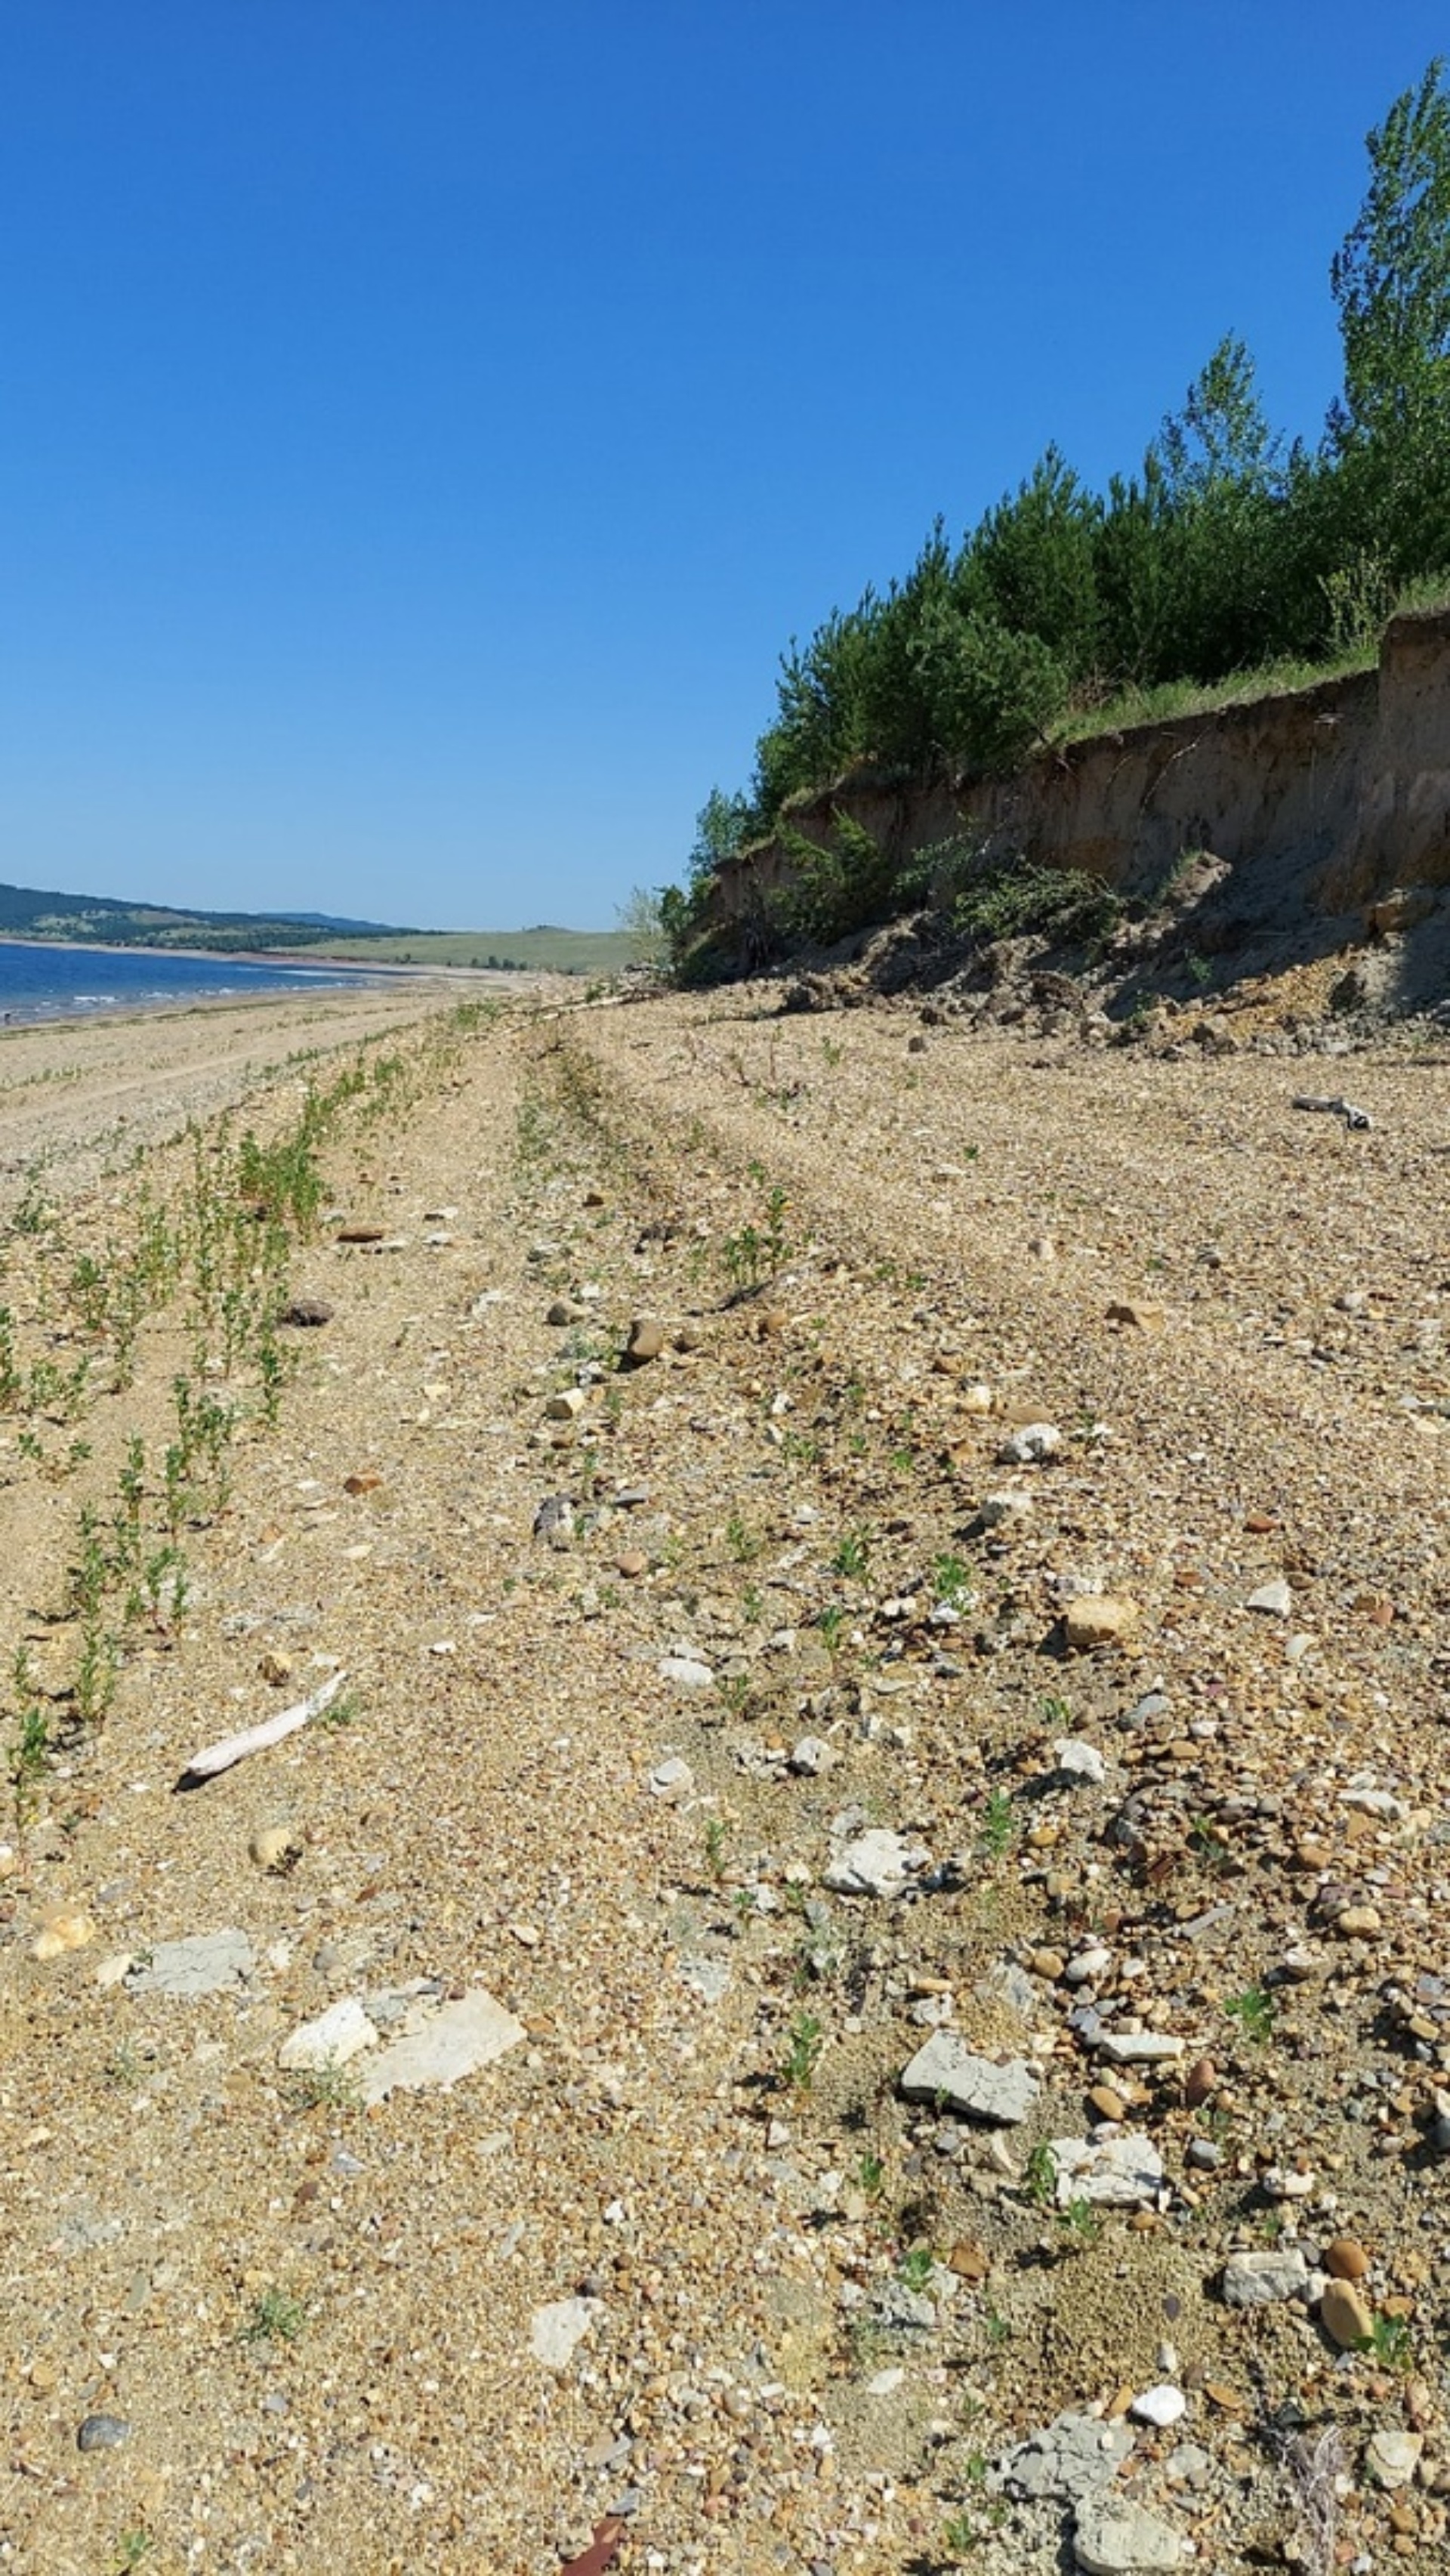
[424,422]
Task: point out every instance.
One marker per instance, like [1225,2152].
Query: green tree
[1220,521]
[1030,566]
[1391,279]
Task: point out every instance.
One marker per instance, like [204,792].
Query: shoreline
[318,971]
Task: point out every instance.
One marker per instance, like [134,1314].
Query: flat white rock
[559,2328]
[876,1863]
[210,1963]
[946,2069]
[1275,1599]
[1139,2047]
[443,2047]
[337,2035]
[1078,1760]
[1114,2538]
[1121,2172]
[686,1671]
[672,1779]
[1263,2279]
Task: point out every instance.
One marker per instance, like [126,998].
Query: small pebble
[102,2433]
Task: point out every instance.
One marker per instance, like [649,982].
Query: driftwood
[255,1739]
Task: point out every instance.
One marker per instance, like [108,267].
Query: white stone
[946,2069]
[1274,1599]
[558,2329]
[340,2033]
[1139,2047]
[811,1756]
[443,2046]
[685,1670]
[1261,2280]
[1078,1760]
[1394,2456]
[210,1963]
[1161,2406]
[1032,1442]
[876,1863]
[1124,2171]
[672,1780]
[1114,2538]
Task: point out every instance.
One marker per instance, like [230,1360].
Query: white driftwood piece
[255,1739]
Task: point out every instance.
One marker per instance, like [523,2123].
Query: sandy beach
[833,1539]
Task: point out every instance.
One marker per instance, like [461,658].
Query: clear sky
[424,422]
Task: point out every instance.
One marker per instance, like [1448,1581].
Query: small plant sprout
[853,1555]
[1254,2012]
[1390,2343]
[1039,2176]
[871,2176]
[332,2086]
[831,1621]
[1080,2222]
[734,1689]
[28,1756]
[743,1542]
[999,1825]
[951,1582]
[715,1848]
[804,2042]
[916,2267]
[275,2317]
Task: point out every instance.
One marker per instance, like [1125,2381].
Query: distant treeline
[1228,549]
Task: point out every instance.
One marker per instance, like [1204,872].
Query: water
[41,983]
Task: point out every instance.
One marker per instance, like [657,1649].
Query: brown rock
[1357,1922]
[646,1341]
[66,1927]
[366,1483]
[1345,2259]
[1200,2083]
[968,2261]
[632,1564]
[274,1667]
[1108,2104]
[1145,1314]
[1099,1619]
[361,1234]
[1048,1964]
[1345,2316]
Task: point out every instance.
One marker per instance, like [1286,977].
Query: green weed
[805,2040]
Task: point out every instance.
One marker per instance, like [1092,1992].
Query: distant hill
[105,921]
[37,912]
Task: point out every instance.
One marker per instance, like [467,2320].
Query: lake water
[42,983]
